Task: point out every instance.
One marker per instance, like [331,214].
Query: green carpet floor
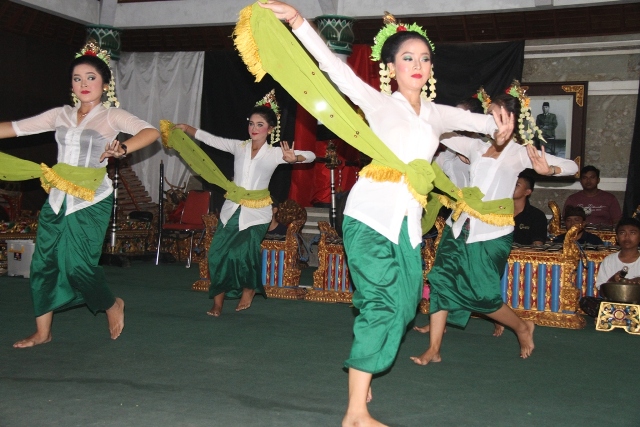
[279,364]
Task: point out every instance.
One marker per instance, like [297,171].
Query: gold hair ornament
[390,28]
[484,98]
[93,49]
[527,127]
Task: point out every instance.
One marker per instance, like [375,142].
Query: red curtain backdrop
[312,184]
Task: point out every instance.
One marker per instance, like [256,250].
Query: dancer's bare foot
[422,329]
[429,356]
[360,420]
[246,299]
[498,330]
[215,311]
[425,329]
[526,339]
[32,341]
[115,316]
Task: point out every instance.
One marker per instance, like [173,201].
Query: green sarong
[64,268]
[465,276]
[234,258]
[388,286]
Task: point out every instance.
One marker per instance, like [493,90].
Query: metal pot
[621,292]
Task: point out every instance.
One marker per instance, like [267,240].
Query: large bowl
[621,292]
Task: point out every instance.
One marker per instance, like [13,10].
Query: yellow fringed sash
[76,181]
[201,164]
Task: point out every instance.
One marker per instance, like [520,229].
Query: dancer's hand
[189,130]
[288,155]
[539,161]
[114,150]
[505,122]
[284,12]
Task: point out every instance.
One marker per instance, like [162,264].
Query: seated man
[574,215]
[601,207]
[628,236]
[531,222]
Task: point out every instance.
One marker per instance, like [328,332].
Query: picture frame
[568,102]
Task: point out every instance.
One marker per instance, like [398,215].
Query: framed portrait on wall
[560,111]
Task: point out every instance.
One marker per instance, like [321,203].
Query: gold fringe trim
[381,173]
[499,220]
[54,180]
[246,45]
[165,131]
[255,204]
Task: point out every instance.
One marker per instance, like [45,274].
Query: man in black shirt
[531,222]
[575,215]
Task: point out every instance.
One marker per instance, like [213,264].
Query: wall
[611,65]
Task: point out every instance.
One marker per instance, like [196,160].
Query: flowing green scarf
[467,199]
[267,46]
[202,164]
[77,181]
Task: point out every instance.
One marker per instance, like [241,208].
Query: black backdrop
[460,69]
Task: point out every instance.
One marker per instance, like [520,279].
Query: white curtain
[154,86]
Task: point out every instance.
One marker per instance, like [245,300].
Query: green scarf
[267,46]
[202,165]
[77,181]
[467,199]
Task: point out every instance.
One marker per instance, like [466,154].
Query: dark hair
[97,63]
[628,221]
[527,175]
[471,104]
[545,104]
[266,113]
[392,45]
[574,211]
[590,168]
[512,105]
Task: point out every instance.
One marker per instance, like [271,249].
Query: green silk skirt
[388,287]
[64,267]
[234,258]
[465,276]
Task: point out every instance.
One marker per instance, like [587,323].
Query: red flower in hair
[267,104]
[90,53]
[475,95]
[401,28]
[508,90]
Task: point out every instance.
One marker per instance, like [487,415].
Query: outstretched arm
[140,140]
[6,130]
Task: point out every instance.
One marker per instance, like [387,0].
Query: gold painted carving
[578,90]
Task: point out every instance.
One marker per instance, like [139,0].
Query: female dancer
[382,230]
[473,251]
[234,254]
[72,225]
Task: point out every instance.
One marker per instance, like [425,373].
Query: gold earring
[392,74]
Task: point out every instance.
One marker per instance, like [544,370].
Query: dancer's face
[412,64]
[259,128]
[87,83]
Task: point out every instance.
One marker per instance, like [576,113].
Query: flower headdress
[527,127]
[484,98]
[390,28]
[93,49]
[269,101]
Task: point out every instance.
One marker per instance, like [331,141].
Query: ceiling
[612,18]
